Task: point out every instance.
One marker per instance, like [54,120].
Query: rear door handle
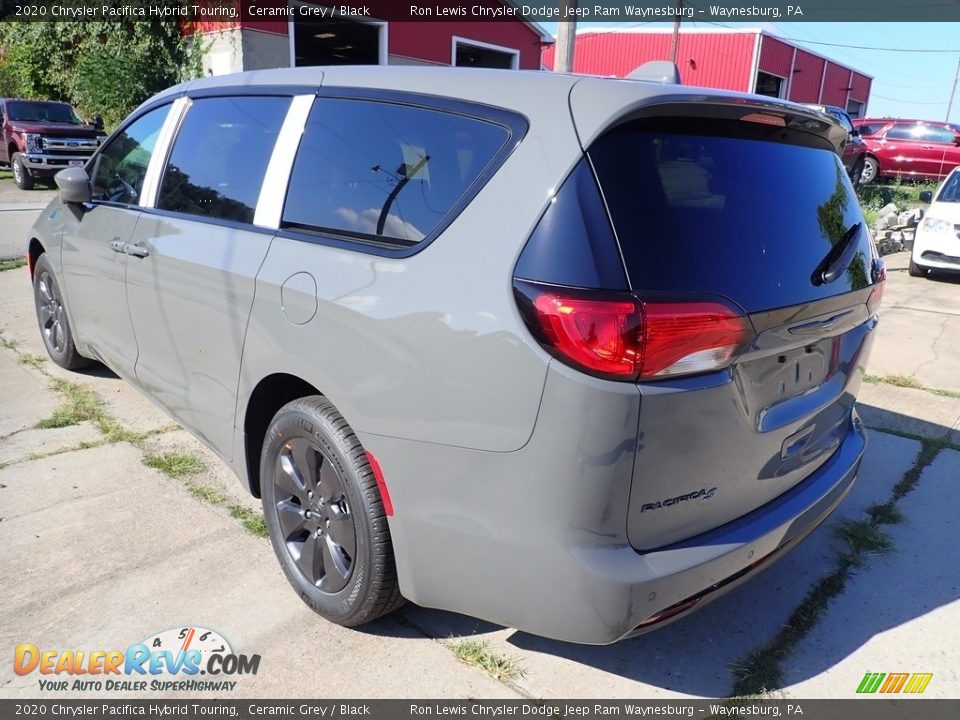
[117,245]
[137,250]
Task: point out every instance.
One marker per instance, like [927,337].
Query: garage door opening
[338,42]
[473,53]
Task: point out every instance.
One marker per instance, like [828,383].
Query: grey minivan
[569,354]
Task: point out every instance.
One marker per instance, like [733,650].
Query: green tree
[103,68]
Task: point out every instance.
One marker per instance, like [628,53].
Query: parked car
[853,152]
[40,138]
[916,149]
[868,126]
[936,245]
[569,354]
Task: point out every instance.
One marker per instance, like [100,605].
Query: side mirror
[97,122]
[926,196]
[855,133]
[74,184]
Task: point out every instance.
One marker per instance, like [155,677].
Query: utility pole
[676,33]
[953,92]
[566,38]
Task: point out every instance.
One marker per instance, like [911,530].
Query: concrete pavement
[100,551]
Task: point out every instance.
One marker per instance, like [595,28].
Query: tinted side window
[220,157]
[939,134]
[907,131]
[120,167]
[385,172]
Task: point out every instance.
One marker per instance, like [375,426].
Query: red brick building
[747,60]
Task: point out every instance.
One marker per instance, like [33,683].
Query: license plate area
[790,373]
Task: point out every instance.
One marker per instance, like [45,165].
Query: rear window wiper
[838,259]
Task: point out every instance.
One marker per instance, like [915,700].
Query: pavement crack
[933,347]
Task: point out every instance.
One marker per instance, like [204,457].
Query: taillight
[685,338]
[617,336]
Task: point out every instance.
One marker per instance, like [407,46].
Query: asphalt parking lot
[101,550]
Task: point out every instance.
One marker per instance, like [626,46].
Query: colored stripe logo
[913,683]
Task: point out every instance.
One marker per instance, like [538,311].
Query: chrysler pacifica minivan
[569,354]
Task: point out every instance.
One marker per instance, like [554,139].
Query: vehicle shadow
[694,655]
[98,370]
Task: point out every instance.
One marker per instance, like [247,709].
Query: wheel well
[10,151]
[33,254]
[271,394]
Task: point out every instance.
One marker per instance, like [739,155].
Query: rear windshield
[43,112]
[729,214]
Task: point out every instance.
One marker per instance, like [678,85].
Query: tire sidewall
[871,163]
[43,267]
[25,181]
[297,421]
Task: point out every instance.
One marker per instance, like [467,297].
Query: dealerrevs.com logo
[172,660]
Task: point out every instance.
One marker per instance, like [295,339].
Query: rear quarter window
[383,172]
[741,213]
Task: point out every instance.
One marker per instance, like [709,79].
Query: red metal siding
[861,87]
[717,60]
[807,74]
[835,86]
[775,57]
[434,41]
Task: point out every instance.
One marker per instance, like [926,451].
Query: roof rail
[662,71]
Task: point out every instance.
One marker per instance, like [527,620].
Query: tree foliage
[102,68]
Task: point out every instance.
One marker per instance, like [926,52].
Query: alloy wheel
[51,313]
[315,517]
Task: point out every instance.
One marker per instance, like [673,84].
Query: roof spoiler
[661,71]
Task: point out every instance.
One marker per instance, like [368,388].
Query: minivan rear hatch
[745,205]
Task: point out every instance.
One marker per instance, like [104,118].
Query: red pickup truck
[41,137]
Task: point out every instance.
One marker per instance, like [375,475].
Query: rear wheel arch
[270,394]
[34,250]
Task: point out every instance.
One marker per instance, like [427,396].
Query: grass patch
[206,493]
[477,653]
[252,521]
[760,672]
[904,381]
[9,343]
[80,404]
[863,539]
[885,513]
[12,264]
[175,465]
[902,194]
[33,361]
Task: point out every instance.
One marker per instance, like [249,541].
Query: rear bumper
[536,539]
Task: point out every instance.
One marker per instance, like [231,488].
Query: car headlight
[33,142]
[936,226]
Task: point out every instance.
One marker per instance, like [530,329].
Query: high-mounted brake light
[617,336]
[764,119]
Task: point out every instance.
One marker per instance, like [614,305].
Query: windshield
[950,192]
[45,112]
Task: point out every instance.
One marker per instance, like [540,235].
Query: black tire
[21,176]
[347,588]
[856,172]
[915,270]
[52,318]
[871,171]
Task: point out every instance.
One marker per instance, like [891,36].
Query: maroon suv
[920,149]
[41,137]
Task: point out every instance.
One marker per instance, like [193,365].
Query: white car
[937,244]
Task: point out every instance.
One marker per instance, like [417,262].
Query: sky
[914,84]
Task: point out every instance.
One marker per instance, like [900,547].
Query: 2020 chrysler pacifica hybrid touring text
[570,354]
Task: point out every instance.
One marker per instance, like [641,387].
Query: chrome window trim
[273,191]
